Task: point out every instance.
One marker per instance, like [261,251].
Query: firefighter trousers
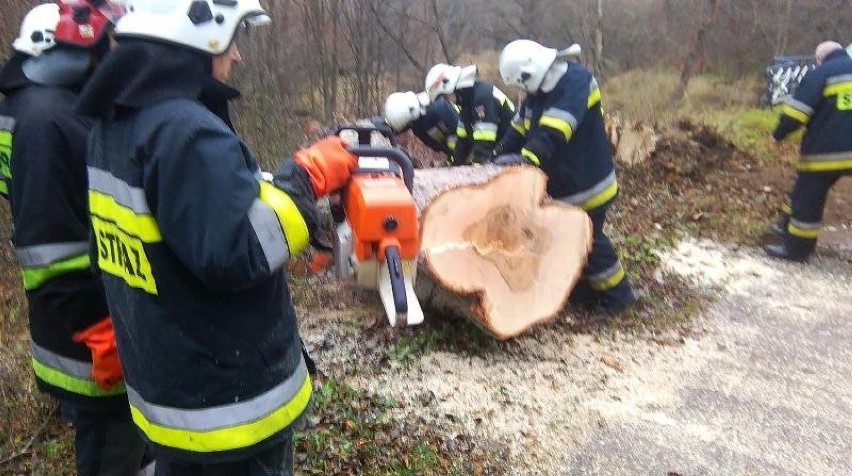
[603,285]
[807,203]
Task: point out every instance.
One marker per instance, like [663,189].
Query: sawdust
[549,394]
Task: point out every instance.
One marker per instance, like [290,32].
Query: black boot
[781,251]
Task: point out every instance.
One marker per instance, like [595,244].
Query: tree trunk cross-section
[494,249]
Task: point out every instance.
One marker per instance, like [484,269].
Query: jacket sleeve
[228,228]
[561,117]
[515,136]
[464,143]
[797,110]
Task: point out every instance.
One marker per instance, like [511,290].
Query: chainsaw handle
[365,132]
[394,155]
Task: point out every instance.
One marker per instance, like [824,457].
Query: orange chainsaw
[377,238]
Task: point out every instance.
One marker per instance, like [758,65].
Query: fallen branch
[32,440]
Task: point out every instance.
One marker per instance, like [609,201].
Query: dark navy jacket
[484,117]
[191,246]
[437,128]
[823,104]
[42,143]
[563,132]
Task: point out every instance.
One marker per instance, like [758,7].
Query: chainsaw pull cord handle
[397,279]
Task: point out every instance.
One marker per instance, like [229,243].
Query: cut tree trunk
[631,144]
[494,249]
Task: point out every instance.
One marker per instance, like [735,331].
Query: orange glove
[328,164]
[100,339]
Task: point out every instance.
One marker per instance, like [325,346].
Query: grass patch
[356,433]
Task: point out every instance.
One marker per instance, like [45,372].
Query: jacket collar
[140,73]
[835,55]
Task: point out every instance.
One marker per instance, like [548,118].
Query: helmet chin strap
[558,69]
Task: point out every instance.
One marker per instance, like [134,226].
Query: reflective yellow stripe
[5,154]
[291,220]
[73,384]
[594,97]
[527,123]
[519,128]
[796,114]
[531,157]
[461,132]
[481,135]
[608,283]
[837,88]
[229,438]
[36,276]
[599,199]
[560,125]
[123,255]
[143,227]
[805,233]
[824,165]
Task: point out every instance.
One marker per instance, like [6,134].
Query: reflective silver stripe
[436,133]
[834,156]
[593,84]
[75,368]
[581,197]
[7,123]
[485,126]
[206,419]
[258,175]
[561,114]
[266,226]
[123,193]
[842,78]
[43,255]
[800,106]
[805,225]
[605,274]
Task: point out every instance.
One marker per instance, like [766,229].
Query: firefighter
[433,122]
[484,111]
[191,241]
[823,105]
[42,143]
[560,128]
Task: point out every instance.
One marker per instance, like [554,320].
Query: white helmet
[401,109]
[523,64]
[445,79]
[37,30]
[204,25]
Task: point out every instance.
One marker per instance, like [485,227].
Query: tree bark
[695,57]
[494,250]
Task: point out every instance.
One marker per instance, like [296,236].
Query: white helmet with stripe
[401,109]
[208,26]
[37,30]
[445,79]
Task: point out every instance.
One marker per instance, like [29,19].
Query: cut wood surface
[494,249]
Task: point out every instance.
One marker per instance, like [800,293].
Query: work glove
[510,159]
[328,164]
[100,339]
